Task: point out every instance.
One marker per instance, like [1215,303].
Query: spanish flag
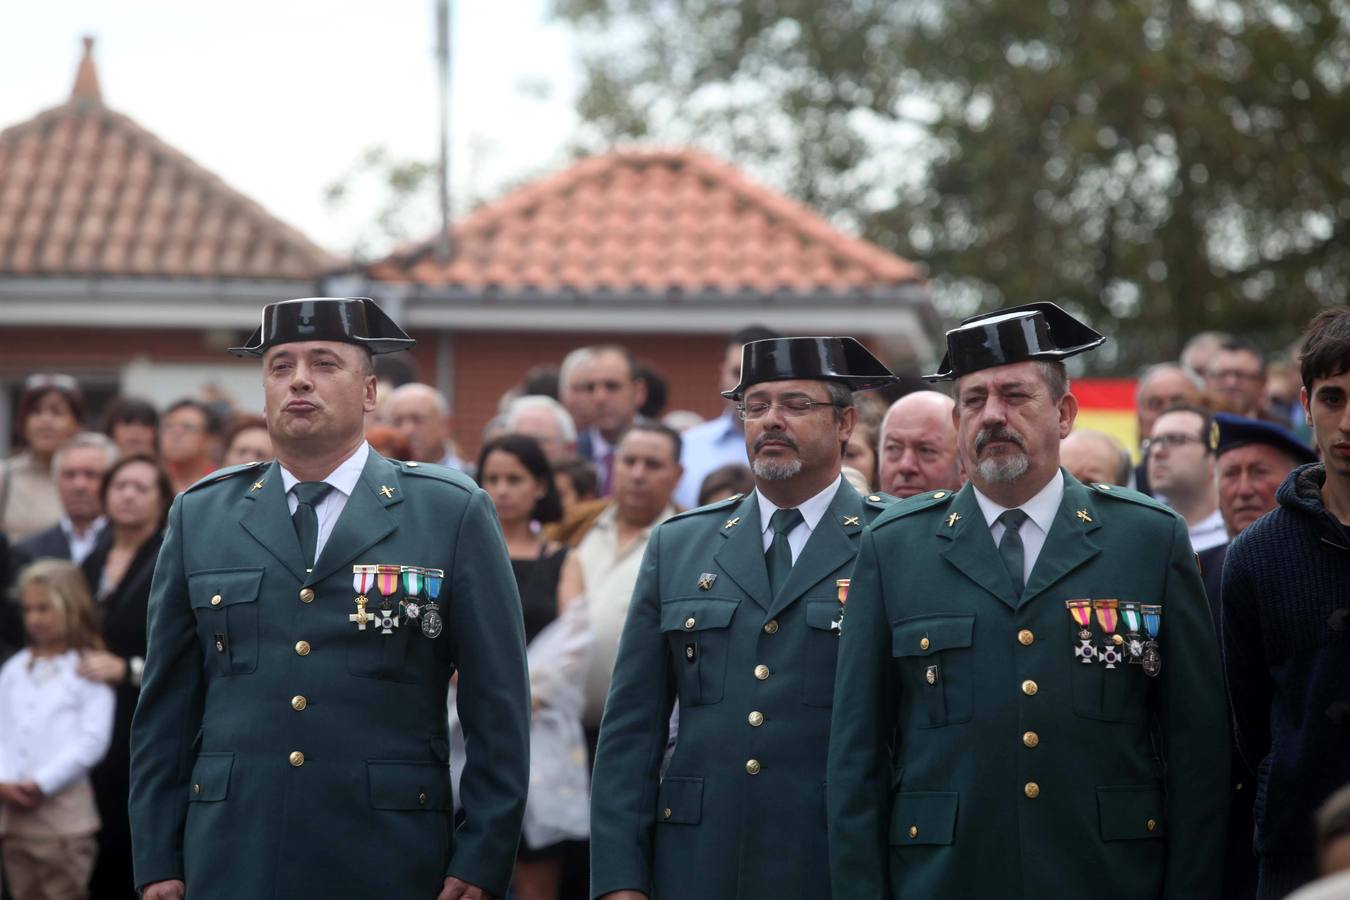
[1107,404]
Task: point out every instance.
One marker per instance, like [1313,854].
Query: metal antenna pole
[443,12]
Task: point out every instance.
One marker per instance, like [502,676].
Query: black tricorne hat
[840,359]
[1035,331]
[1231,432]
[351,320]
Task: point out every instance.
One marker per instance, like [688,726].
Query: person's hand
[164,890]
[100,665]
[19,794]
[461,890]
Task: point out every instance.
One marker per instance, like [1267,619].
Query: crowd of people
[582,464]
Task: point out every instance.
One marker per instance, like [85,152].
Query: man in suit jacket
[78,468]
[735,615]
[305,620]
[1029,700]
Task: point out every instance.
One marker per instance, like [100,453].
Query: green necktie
[1010,547]
[305,519]
[779,555]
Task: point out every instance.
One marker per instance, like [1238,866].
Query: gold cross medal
[362,579]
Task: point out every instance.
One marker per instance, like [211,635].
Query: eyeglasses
[794,407]
[1234,375]
[1170,441]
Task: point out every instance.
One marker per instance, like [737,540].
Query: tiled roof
[652,221]
[85,191]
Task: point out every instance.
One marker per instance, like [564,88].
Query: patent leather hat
[1036,331]
[840,359]
[350,320]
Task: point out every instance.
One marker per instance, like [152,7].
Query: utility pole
[443,12]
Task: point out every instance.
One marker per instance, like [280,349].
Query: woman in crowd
[861,452]
[136,496]
[514,471]
[54,726]
[246,441]
[49,414]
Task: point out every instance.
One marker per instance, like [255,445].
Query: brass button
[298,702]
[689,622]
[1117,639]
[755,719]
[302,648]
[771,626]
[1031,739]
[1151,824]
[762,672]
[215,601]
[913,831]
[1032,790]
[307,595]
[666,813]
[753,767]
[1025,637]
[1029,688]
[422,799]
[924,643]
[196,789]
[297,758]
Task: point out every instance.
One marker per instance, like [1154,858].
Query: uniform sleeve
[1194,722]
[82,750]
[168,717]
[487,634]
[632,742]
[1250,689]
[858,789]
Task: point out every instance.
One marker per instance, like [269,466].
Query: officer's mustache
[777,437]
[987,436]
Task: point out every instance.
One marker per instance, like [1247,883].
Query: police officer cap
[840,359]
[1036,331]
[1233,431]
[350,320]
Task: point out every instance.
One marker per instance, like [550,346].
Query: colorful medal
[386,579]
[413,577]
[841,591]
[1107,617]
[1081,610]
[431,613]
[362,579]
[1152,652]
[386,619]
[1134,641]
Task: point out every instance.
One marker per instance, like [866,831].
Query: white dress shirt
[54,725]
[1041,511]
[343,479]
[812,510]
[81,545]
[1208,532]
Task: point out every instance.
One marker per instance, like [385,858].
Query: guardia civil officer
[305,619]
[736,615]
[1029,701]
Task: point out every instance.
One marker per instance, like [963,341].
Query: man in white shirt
[1180,457]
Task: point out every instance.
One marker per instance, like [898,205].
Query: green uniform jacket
[973,754]
[252,659]
[740,812]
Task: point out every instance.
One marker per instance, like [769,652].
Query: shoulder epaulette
[1122,493]
[439,472]
[898,509]
[710,507]
[225,473]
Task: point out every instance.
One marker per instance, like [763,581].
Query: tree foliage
[1162,166]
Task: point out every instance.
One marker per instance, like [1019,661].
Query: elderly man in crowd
[1180,458]
[421,414]
[78,468]
[917,451]
[1161,387]
[1095,456]
[547,421]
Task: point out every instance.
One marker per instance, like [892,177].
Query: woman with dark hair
[136,495]
[49,414]
[133,425]
[514,471]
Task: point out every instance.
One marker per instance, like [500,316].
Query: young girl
[54,726]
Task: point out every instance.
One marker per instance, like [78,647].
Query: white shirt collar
[343,478]
[94,530]
[599,446]
[812,510]
[1041,508]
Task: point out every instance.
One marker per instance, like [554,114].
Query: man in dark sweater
[1286,626]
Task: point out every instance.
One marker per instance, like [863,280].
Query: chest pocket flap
[211,777]
[927,635]
[698,614]
[924,817]
[219,588]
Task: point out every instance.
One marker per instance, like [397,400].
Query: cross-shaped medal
[732,522]
[1082,514]
[257,486]
[952,519]
[387,491]
[360,617]
[850,520]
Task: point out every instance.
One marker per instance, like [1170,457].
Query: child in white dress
[54,727]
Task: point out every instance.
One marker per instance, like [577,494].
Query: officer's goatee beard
[775,469]
[1004,468]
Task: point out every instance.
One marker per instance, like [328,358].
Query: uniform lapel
[970,547]
[268,519]
[1069,543]
[367,518]
[831,546]
[741,555]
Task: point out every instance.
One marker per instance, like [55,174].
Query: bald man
[1160,388]
[918,446]
[421,414]
[1095,456]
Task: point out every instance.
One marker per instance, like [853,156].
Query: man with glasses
[736,615]
[1180,459]
[185,432]
[1236,378]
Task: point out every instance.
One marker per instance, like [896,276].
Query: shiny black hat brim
[840,359]
[350,320]
[1035,331]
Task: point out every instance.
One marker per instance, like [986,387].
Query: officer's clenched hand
[461,890]
[163,890]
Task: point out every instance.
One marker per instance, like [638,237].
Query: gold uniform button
[422,799]
[196,789]
[913,831]
[1031,739]
[1025,637]
[924,644]
[307,595]
[762,672]
[666,813]
[215,601]
[755,719]
[753,767]
[1029,688]
[1151,824]
[771,626]
[297,758]
[302,648]
[1032,790]
[298,702]
[689,623]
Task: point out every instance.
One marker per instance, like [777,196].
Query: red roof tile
[654,221]
[86,191]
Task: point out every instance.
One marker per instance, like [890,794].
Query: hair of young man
[1206,420]
[1326,346]
[212,421]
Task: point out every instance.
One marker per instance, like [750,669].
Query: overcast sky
[280,97]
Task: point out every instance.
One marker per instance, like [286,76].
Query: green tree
[1161,166]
